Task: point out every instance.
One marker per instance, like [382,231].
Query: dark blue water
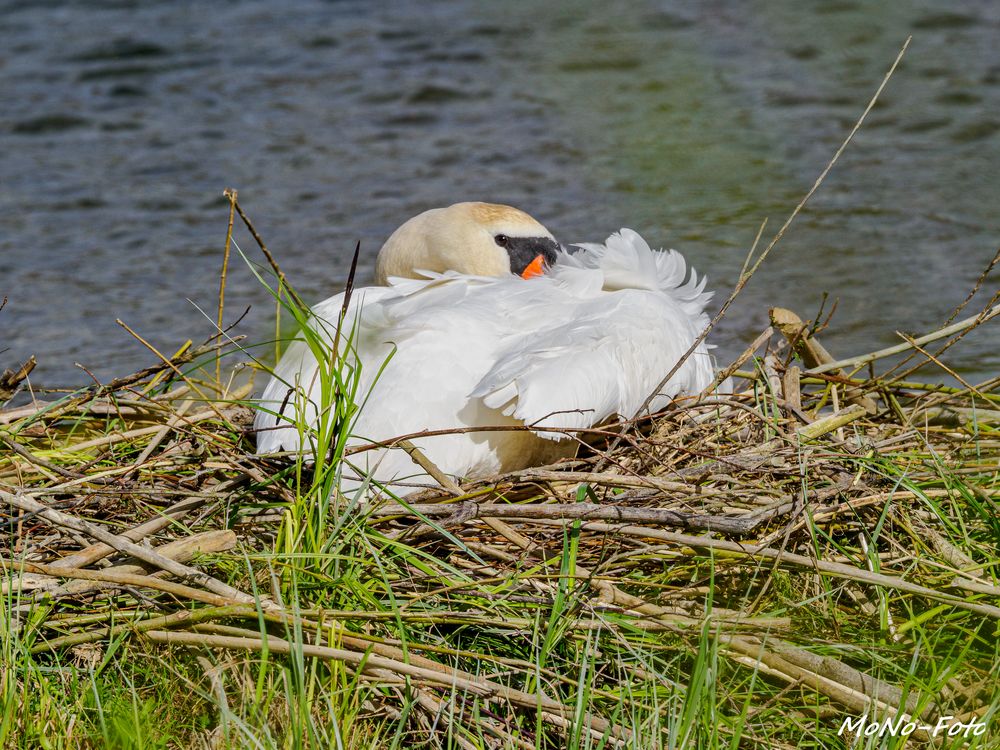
[122,122]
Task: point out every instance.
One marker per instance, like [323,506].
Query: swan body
[584,342]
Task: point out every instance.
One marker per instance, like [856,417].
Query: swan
[480,318]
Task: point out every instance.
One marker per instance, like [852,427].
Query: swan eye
[502,240]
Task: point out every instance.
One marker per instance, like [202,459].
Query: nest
[136,512]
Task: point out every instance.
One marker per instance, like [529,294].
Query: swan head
[479,239]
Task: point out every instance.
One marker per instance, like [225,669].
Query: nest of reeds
[791,549]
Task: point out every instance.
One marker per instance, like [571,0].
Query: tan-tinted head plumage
[482,239]
[497,214]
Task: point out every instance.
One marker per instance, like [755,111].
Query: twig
[849,687]
[168,361]
[789,560]
[470,510]
[95,552]
[721,377]
[181,550]
[456,680]
[427,465]
[449,484]
[180,590]
[267,254]
[158,438]
[832,422]
[852,363]
[124,545]
[10,380]
[231,195]
[26,454]
[613,480]
[813,353]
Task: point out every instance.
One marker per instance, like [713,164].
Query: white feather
[582,344]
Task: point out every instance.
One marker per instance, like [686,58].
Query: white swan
[466,343]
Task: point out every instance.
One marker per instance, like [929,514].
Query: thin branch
[852,363]
[231,195]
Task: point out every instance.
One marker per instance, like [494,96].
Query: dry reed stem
[231,195]
[854,363]
[788,560]
[366,661]
[181,550]
[469,510]
[94,553]
[181,591]
[122,544]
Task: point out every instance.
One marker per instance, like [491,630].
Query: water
[123,122]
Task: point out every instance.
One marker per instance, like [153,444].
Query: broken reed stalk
[11,380]
[123,544]
[853,363]
[179,550]
[95,552]
[467,511]
[230,194]
[284,285]
[365,662]
[787,560]
[182,591]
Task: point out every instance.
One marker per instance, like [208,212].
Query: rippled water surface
[122,123]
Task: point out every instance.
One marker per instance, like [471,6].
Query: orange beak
[535,268]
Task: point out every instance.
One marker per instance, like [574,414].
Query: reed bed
[745,570]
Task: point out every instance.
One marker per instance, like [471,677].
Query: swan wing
[631,314]
[603,364]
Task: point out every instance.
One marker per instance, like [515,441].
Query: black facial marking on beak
[523,250]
